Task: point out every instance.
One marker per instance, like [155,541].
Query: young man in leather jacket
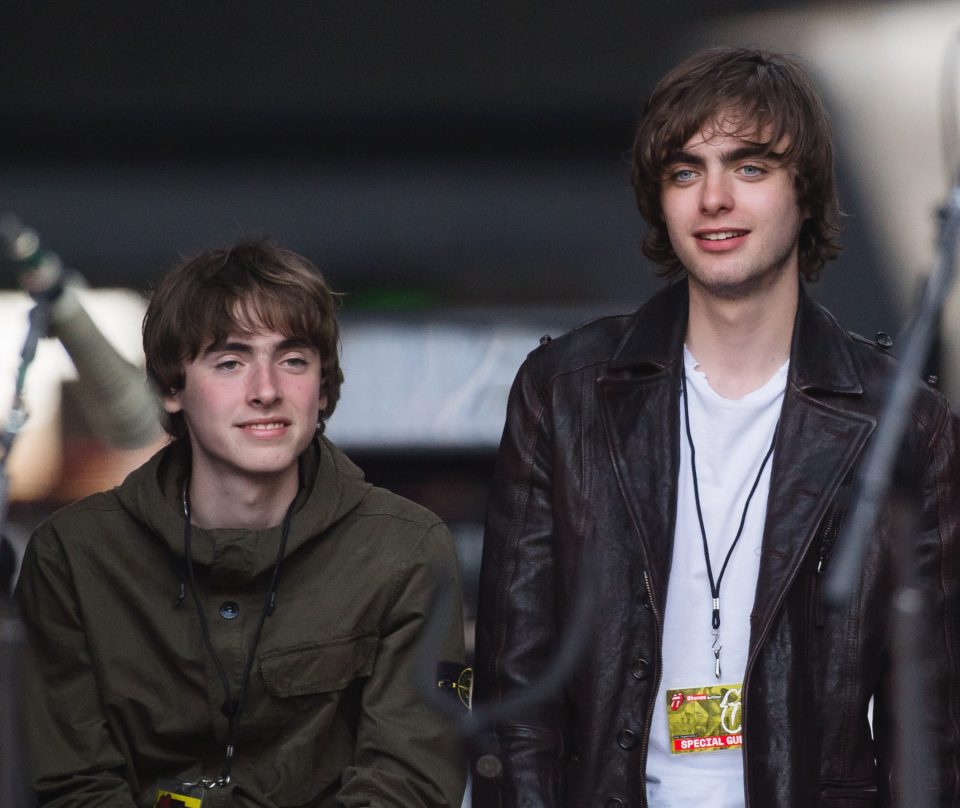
[701,452]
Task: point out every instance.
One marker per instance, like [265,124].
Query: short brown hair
[764,94]
[253,284]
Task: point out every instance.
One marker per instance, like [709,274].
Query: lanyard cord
[231,707]
[715,586]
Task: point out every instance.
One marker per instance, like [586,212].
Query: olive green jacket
[120,690]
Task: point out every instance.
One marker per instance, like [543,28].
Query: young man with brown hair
[236,624]
[701,452]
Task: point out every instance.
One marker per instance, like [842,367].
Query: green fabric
[121,692]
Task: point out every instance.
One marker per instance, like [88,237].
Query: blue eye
[752,171]
[228,364]
[683,175]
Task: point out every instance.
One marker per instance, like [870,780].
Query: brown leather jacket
[589,463]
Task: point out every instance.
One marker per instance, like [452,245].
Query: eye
[228,364]
[752,171]
[683,175]
[295,362]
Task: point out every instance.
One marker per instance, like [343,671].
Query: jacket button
[627,739]
[641,669]
[229,610]
[615,802]
[884,340]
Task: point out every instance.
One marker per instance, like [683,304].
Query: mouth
[720,235]
[265,425]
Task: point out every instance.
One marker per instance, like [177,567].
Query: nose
[716,194]
[264,385]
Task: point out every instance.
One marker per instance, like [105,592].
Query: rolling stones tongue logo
[676,701]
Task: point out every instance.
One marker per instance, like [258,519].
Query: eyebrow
[742,153]
[240,347]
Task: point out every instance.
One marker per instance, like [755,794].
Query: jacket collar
[820,358]
[654,339]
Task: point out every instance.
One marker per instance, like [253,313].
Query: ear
[323,403]
[171,402]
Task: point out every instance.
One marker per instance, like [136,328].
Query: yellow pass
[704,719]
[171,795]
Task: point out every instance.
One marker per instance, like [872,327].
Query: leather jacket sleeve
[516,628]
[931,638]
[947,463]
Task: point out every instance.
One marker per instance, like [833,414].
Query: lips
[265,425]
[720,235]
[717,240]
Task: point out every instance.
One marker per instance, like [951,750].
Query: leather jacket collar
[819,357]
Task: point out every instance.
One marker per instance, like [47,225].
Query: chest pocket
[320,667]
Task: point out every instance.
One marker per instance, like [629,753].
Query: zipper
[645,742]
[829,536]
[826,545]
[830,532]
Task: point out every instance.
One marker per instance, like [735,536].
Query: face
[731,213]
[250,405]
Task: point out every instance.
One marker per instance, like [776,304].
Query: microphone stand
[39,320]
[13,790]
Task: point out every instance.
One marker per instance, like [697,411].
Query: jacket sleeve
[408,756]
[933,671]
[940,571]
[72,759]
[516,626]
[947,475]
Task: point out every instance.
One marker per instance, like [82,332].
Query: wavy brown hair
[251,286]
[769,98]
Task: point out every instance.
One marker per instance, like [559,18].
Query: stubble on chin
[730,288]
[740,283]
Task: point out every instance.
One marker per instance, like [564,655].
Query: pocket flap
[318,667]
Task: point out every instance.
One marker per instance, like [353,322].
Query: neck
[739,343]
[244,503]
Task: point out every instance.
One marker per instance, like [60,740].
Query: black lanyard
[232,707]
[715,585]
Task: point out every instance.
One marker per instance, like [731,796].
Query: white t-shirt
[731,438]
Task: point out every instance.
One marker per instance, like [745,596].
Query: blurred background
[460,170]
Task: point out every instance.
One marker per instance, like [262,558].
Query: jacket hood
[331,487]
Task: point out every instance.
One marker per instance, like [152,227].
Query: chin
[732,288]
[722,284]
[270,465]
[734,285]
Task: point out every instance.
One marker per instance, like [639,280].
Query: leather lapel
[639,399]
[816,448]
[818,442]
[642,429]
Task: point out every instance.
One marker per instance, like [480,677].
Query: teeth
[265,426]
[722,236]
